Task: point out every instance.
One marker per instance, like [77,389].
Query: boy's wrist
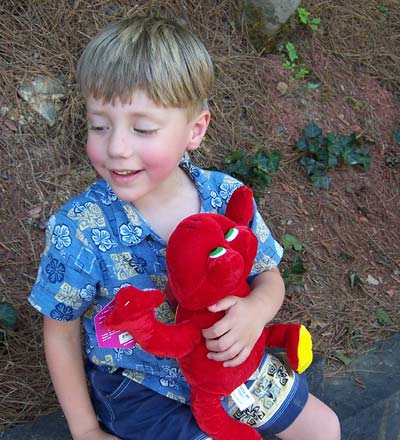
[86,433]
[268,292]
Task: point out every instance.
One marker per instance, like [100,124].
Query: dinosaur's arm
[168,340]
[134,313]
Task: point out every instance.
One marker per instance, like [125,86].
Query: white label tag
[125,337]
[242,397]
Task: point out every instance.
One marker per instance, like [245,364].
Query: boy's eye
[97,128]
[218,252]
[146,132]
[231,234]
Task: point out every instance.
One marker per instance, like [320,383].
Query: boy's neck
[165,209]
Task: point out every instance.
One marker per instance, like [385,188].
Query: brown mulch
[352,227]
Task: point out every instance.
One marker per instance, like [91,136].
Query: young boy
[146,82]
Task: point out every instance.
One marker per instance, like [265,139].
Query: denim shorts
[132,411]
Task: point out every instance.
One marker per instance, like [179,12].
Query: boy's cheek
[93,151]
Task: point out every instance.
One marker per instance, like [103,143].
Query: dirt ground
[354,227]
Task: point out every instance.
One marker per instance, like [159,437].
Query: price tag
[242,397]
[111,338]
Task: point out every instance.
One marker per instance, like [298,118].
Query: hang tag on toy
[111,338]
[242,397]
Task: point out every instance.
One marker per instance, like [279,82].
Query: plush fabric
[209,256]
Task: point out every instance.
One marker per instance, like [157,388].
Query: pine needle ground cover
[341,264]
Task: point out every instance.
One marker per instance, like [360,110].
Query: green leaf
[382,317]
[397,136]
[332,161]
[302,144]
[315,146]
[384,9]
[311,165]
[358,156]
[303,15]
[292,274]
[291,51]
[297,281]
[234,157]
[8,315]
[312,130]
[348,141]
[260,177]
[253,170]
[240,169]
[289,241]
[314,23]
[342,358]
[321,181]
[302,73]
[354,279]
[297,266]
[334,148]
[313,86]
[288,65]
[268,161]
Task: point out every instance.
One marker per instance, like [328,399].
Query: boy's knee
[332,427]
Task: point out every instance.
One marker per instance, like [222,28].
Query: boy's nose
[119,145]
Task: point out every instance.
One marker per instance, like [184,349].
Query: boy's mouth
[124,172]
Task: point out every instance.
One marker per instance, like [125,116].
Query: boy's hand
[96,434]
[231,339]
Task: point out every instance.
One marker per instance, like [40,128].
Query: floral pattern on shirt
[97,243]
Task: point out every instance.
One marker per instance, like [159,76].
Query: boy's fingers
[221,344]
[239,359]
[218,329]
[224,304]
[226,355]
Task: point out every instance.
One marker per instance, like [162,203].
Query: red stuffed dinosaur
[209,256]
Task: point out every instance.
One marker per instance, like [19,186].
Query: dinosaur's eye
[218,252]
[231,234]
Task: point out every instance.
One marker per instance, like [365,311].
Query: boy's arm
[62,344]
[232,338]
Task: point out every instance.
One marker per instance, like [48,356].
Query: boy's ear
[199,128]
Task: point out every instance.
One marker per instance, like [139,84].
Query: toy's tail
[296,339]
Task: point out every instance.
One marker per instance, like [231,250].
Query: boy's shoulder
[210,177]
[215,187]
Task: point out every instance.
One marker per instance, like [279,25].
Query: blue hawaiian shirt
[97,244]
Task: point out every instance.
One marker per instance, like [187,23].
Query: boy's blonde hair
[153,54]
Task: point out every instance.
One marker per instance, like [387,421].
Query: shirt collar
[128,223]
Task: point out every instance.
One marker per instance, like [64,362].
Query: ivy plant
[304,17]
[289,241]
[8,315]
[253,170]
[293,274]
[394,160]
[322,153]
[292,62]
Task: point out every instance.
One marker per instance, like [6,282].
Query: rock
[372,281]
[282,87]
[43,94]
[271,13]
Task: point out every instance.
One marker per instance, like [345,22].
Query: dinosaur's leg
[296,339]
[214,421]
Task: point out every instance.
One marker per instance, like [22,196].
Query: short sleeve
[68,273]
[269,251]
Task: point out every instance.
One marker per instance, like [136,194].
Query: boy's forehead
[139,105]
[138,102]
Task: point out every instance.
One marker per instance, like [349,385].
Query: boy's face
[136,147]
